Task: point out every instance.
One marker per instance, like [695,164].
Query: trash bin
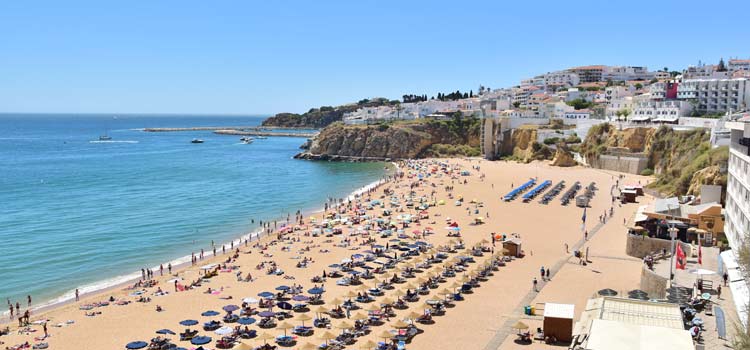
[533,309]
[527,310]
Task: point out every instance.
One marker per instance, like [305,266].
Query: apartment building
[716,95]
[735,65]
[660,111]
[589,74]
[737,214]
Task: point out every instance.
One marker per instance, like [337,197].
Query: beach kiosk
[582,201]
[513,246]
[558,321]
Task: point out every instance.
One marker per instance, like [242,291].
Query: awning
[639,216]
[729,260]
[613,335]
[741,295]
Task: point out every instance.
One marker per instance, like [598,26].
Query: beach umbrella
[285,326]
[224,330]
[520,326]
[200,340]
[372,307]
[284,305]
[136,345]
[359,316]
[344,324]
[283,288]
[246,321]
[413,315]
[300,297]
[398,293]
[368,345]
[210,313]
[303,318]
[321,309]
[316,291]
[188,322]
[385,334]
[350,294]
[266,314]
[242,346]
[363,288]
[336,301]
[230,308]
[327,336]
[265,337]
[399,324]
[607,292]
[165,331]
[308,346]
[387,301]
[266,295]
[250,300]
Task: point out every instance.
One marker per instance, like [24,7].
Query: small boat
[261,137]
[196,141]
[247,140]
[105,137]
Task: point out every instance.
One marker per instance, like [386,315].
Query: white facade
[624,73]
[563,78]
[616,92]
[658,90]
[738,65]
[704,72]
[716,95]
[664,111]
[737,213]
[619,104]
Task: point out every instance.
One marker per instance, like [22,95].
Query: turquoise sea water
[80,214]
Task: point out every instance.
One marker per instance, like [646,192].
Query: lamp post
[672,235]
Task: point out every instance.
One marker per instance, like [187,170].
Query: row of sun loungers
[513,194]
[554,191]
[570,193]
[536,191]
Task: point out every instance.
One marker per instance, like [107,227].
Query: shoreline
[179,264]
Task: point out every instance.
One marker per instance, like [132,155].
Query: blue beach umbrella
[188,322]
[284,305]
[210,313]
[200,340]
[136,345]
[266,314]
[334,266]
[266,295]
[230,308]
[282,288]
[246,320]
[300,297]
[316,291]
[165,331]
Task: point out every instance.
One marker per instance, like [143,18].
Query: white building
[561,78]
[581,114]
[616,92]
[658,90]
[704,71]
[624,73]
[660,111]
[619,104]
[716,95]
[737,209]
[735,65]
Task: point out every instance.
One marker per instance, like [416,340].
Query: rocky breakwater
[398,140]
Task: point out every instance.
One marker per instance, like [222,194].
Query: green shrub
[647,172]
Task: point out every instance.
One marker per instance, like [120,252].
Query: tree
[516,104]
[721,67]
[580,103]
[666,69]
[638,86]
[471,93]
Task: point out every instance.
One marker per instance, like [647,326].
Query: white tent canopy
[613,335]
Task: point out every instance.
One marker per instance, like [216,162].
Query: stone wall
[639,246]
[632,164]
[653,284]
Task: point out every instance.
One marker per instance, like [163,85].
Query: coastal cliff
[681,160]
[523,147]
[321,117]
[397,140]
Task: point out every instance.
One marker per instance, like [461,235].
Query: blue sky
[244,57]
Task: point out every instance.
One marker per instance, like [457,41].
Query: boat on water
[196,141]
[261,137]
[105,137]
[246,140]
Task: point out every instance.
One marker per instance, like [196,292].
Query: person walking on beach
[44,327]
[11,310]
[77,295]
[726,277]
[586,236]
[547,272]
[18,309]
[541,271]
[28,297]
[143,274]
[535,283]
[169,268]
[718,291]
[161,269]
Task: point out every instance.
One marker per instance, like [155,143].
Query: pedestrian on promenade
[547,274]
[535,283]
[541,271]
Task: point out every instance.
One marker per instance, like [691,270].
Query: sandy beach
[481,321]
